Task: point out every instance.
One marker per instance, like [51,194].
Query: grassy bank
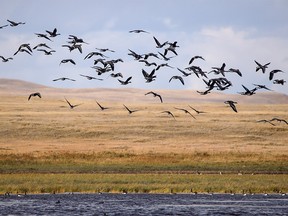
[113,162]
[142,183]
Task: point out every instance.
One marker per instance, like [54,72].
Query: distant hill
[21,88]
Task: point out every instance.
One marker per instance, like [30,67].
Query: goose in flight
[24,48]
[232,105]
[116,75]
[125,82]
[271,74]
[3,26]
[148,64]
[261,67]
[279,120]
[41,45]
[197,111]
[185,74]
[74,46]
[149,77]
[177,77]
[159,45]
[90,77]
[204,92]
[89,55]
[220,70]
[266,121]
[6,59]
[105,50]
[63,78]
[195,57]
[169,113]
[43,36]
[71,105]
[47,52]
[163,65]
[138,31]
[13,23]
[101,107]
[129,110]
[262,87]
[186,111]
[67,60]
[53,33]
[279,81]
[248,91]
[135,55]
[34,95]
[233,70]
[74,39]
[155,95]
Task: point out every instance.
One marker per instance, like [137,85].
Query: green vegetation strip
[142,183]
[111,162]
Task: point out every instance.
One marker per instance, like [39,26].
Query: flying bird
[248,91]
[63,78]
[53,33]
[185,74]
[6,59]
[262,87]
[266,121]
[169,113]
[279,81]
[47,52]
[195,57]
[101,107]
[138,31]
[177,77]
[24,48]
[149,77]
[279,120]
[197,111]
[34,95]
[232,105]
[116,75]
[129,110]
[261,67]
[104,49]
[67,60]
[74,39]
[41,45]
[271,74]
[233,70]
[90,77]
[71,105]
[125,82]
[3,26]
[13,23]
[186,111]
[159,45]
[155,95]
[43,36]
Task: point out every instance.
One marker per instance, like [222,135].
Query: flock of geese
[167,50]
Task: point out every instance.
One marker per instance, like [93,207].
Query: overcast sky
[221,31]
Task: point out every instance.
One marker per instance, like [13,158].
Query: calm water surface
[144,204]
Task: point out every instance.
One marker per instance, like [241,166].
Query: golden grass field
[46,136]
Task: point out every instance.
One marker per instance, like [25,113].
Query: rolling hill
[21,88]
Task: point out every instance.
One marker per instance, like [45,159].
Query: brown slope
[20,88]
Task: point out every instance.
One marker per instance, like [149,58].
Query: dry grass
[45,125]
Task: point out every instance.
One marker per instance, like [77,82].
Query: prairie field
[44,136]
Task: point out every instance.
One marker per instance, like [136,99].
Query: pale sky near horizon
[235,32]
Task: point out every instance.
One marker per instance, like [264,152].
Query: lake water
[144,204]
